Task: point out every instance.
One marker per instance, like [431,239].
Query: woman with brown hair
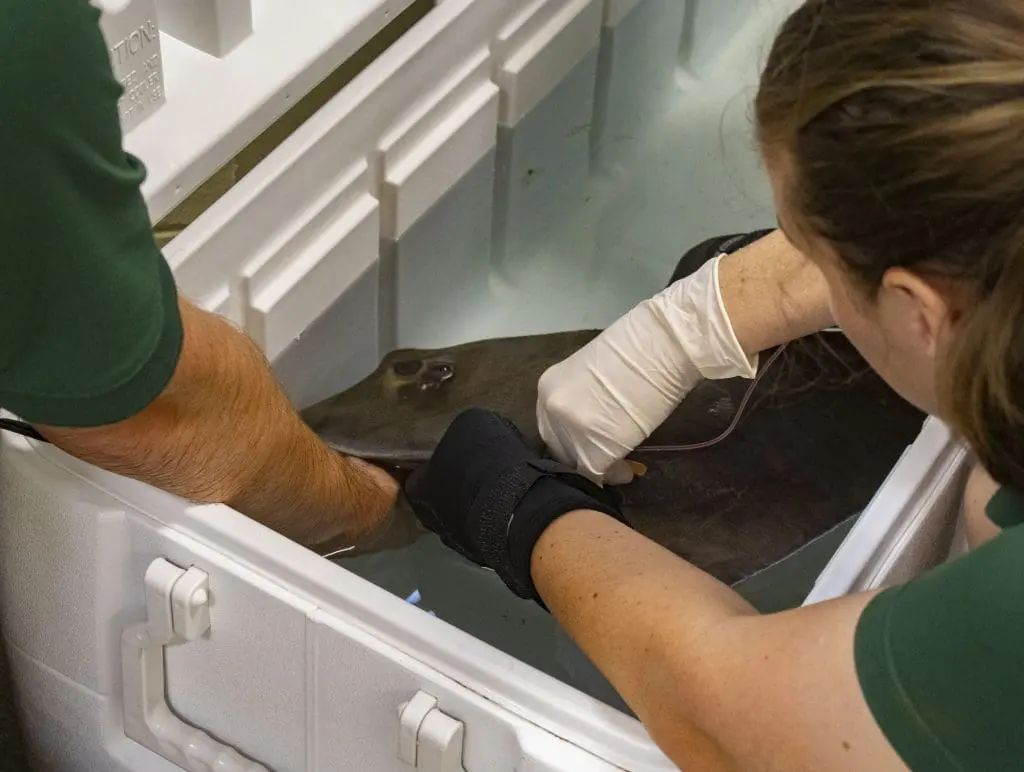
[893,133]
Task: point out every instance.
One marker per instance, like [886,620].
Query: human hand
[400,529]
[369,517]
[599,404]
[490,497]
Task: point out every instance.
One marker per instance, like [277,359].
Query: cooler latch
[178,611]
[429,740]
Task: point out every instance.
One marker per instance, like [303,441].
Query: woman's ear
[925,308]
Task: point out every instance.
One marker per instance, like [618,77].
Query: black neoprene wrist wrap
[545,502]
[489,496]
[527,499]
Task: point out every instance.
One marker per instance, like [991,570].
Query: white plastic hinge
[178,611]
[190,604]
[429,740]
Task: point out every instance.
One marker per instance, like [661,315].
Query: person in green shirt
[98,351]
[893,135]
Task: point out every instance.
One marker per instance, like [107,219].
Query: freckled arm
[718,686]
[772,293]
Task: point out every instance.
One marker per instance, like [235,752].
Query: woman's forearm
[772,293]
[224,432]
[717,685]
[637,611]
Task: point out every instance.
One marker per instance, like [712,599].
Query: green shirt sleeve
[89,327]
[941,660]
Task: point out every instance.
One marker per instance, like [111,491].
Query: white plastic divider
[250,255]
[615,10]
[213,26]
[293,281]
[639,59]
[713,24]
[216,104]
[546,64]
[540,46]
[433,147]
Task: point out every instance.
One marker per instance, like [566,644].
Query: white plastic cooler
[506,167]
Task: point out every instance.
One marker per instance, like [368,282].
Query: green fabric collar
[1006,509]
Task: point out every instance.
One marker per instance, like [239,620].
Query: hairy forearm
[642,616]
[224,432]
[772,293]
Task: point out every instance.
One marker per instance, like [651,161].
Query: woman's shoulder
[1006,507]
[989,508]
[938,658]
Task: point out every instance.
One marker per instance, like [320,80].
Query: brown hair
[903,121]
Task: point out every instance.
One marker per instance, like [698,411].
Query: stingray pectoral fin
[401,459]
[401,411]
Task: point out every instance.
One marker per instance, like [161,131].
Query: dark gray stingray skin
[819,436]
[398,414]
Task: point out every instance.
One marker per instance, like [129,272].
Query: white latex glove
[598,405]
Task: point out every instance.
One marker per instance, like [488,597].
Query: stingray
[740,476]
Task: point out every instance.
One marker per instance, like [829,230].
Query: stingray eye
[437,374]
[407,367]
[441,371]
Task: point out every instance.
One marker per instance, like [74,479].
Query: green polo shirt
[941,659]
[89,326]
[90,334]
